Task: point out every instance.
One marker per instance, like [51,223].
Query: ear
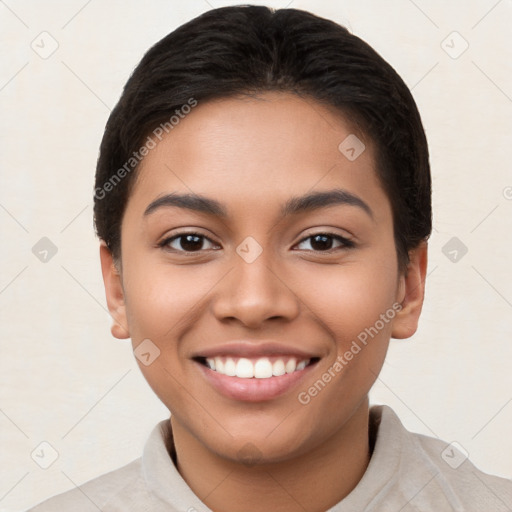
[114,293]
[411,293]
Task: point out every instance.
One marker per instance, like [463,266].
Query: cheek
[349,299]
[163,301]
[161,304]
[354,304]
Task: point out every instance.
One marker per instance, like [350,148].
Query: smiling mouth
[256,368]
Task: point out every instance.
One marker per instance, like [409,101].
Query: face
[245,276]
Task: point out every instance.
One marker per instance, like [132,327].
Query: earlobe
[114,293]
[411,293]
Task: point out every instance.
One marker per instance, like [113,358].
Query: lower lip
[253,390]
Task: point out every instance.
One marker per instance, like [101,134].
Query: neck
[314,481]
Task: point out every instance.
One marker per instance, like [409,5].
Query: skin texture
[252,155]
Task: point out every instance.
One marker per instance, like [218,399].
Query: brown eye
[185,242]
[321,242]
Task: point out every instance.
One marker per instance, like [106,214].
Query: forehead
[257,151]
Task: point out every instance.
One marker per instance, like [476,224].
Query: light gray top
[407,472]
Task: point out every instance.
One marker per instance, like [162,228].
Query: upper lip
[253,349]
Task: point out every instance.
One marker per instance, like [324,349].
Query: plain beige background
[67,382]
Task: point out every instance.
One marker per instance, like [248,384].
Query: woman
[263,201]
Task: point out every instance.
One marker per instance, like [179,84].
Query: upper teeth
[261,368]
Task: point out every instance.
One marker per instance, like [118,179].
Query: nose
[253,292]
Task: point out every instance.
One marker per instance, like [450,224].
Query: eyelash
[346,243]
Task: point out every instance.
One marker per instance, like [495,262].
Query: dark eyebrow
[295,205]
[316,200]
[194,202]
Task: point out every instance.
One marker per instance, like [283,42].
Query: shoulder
[442,472]
[95,494]
[456,473]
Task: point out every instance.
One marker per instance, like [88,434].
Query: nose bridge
[254,291]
